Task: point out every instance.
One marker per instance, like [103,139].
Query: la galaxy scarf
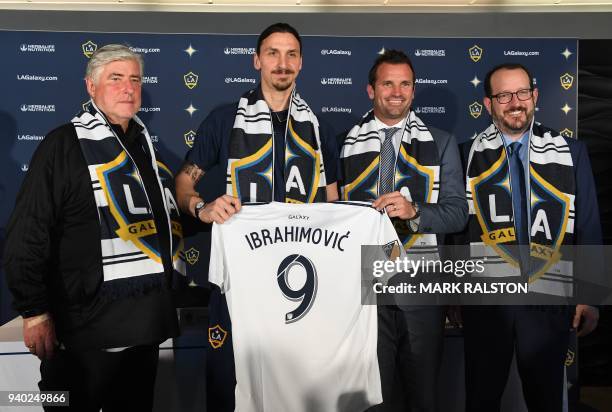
[250,174]
[131,258]
[551,188]
[417,171]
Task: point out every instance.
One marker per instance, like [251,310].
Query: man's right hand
[39,335]
[221,209]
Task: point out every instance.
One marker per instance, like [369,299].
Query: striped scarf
[131,256]
[417,171]
[551,188]
[250,173]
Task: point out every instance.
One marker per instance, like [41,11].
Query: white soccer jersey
[291,274]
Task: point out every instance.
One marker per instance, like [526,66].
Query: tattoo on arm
[193,171]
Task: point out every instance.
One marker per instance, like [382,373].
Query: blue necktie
[387,161]
[519,197]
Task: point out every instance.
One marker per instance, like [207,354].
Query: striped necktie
[387,161]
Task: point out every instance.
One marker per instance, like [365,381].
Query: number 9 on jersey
[305,294]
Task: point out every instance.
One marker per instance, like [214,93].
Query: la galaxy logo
[391,250]
[567,81]
[567,133]
[189,138]
[216,336]
[570,357]
[549,209]
[192,255]
[191,80]
[89,48]
[128,206]
[85,105]
[475,110]
[475,53]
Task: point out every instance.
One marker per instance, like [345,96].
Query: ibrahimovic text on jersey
[291,274]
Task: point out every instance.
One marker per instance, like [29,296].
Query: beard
[282,85]
[515,125]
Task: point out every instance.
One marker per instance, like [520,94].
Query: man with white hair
[93,244]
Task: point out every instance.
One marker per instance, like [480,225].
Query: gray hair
[108,54]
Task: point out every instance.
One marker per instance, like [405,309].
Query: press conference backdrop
[188,75]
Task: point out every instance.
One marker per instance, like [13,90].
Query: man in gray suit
[413,172]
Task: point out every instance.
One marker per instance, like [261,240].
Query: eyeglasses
[506,97]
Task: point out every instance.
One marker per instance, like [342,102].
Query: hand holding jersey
[411,169]
[303,339]
[219,210]
[252,169]
[396,205]
[269,146]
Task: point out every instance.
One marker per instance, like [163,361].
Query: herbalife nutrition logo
[150,80]
[430,53]
[239,50]
[430,110]
[37,108]
[37,48]
[336,81]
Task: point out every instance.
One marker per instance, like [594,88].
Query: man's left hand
[39,335]
[396,205]
[589,316]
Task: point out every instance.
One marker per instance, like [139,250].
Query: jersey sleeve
[217,269]
[383,245]
[388,238]
[391,247]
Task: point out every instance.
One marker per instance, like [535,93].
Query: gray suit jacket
[450,213]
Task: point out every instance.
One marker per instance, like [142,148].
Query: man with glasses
[514,167]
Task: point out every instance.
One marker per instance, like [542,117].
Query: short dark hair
[390,56]
[278,28]
[504,66]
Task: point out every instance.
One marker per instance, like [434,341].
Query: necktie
[519,198]
[387,161]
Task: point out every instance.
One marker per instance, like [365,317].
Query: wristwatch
[198,208]
[414,221]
